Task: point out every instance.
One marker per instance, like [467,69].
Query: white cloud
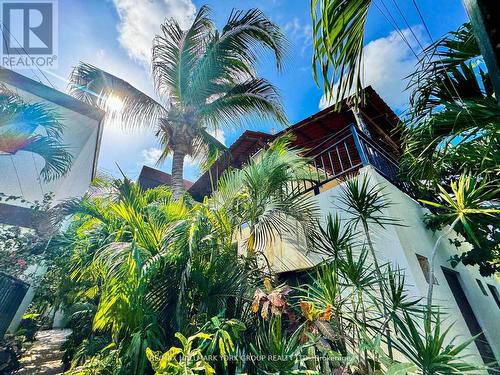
[150,156]
[387,61]
[299,33]
[140,21]
[219,135]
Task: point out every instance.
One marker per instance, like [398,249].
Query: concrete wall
[20,172]
[399,245]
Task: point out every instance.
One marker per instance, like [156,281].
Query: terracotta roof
[238,153]
[150,178]
[310,132]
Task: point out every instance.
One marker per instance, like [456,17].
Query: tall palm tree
[33,127]
[205,79]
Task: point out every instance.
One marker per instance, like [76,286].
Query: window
[494,292]
[481,286]
[424,265]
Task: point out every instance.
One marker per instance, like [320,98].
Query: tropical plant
[343,313]
[332,239]
[143,266]
[273,300]
[279,352]
[431,349]
[471,204]
[338,36]
[261,196]
[226,336]
[187,360]
[367,204]
[453,120]
[35,128]
[21,250]
[207,77]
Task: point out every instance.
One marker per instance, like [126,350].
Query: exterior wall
[20,172]
[399,246]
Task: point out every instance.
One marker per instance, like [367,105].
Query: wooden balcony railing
[345,153]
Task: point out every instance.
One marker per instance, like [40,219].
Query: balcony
[343,154]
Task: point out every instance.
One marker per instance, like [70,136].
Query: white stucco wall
[20,173]
[399,246]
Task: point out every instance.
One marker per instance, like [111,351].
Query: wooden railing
[345,153]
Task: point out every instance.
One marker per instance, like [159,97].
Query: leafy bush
[187,360]
[29,326]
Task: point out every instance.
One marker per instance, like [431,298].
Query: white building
[339,147]
[20,171]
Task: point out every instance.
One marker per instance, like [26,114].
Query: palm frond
[231,55]
[97,87]
[207,149]
[447,72]
[255,97]
[26,117]
[338,36]
[176,52]
[57,158]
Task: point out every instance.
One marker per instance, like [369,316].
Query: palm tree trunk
[178,173]
[432,262]
[381,286]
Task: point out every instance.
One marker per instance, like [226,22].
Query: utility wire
[26,52]
[422,19]
[407,24]
[394,24]
[448,77]
[17,176]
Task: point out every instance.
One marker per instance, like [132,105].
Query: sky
[116,35]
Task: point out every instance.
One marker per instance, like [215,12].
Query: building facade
[20,169]
[365,143]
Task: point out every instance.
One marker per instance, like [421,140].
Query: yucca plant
[366,205]
[469,200]
[206,79]
[332,239]
[430,348]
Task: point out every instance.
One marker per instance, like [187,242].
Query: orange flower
[306,309]
[327,314]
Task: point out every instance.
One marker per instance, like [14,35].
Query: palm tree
[36,128]
[205,79]
[454,114]
[261,196]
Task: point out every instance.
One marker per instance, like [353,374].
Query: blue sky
[116,35]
